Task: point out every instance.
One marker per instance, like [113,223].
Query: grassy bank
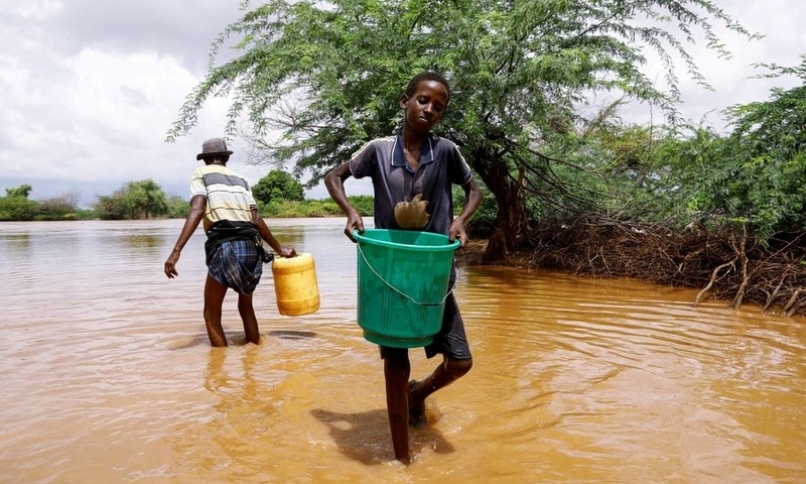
[313,208]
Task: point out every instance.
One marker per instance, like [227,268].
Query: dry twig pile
[724,264]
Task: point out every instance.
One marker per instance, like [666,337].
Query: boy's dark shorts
[451,340]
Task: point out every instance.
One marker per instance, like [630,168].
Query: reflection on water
[145,241]
[15,242]
[290,334]
[109,376]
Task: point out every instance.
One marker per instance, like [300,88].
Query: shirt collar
[426,154]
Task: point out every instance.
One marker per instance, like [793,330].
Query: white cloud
[35,9]
[97,116]
[784,40]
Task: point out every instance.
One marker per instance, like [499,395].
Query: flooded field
[109,377]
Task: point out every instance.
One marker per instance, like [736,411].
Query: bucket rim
[385,243]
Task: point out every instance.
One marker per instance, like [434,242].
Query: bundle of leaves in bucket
[403,281]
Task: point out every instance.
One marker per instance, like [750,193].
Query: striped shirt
[228,194]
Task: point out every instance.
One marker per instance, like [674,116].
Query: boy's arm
[334,181]
[473,198]
[266,235]
[197,207]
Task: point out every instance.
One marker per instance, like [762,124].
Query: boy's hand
[354,222]
[457,232]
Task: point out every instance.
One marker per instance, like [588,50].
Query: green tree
[755,176]
[20,191]
[112,207]
[768,148]
[15,206]
[64,207]
[775,126]
[328,75]
[137,199]
[179,207]
[145,199]
[278,185]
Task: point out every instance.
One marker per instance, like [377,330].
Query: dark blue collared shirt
[441,167]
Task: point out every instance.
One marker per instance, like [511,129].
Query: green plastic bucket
[403,278]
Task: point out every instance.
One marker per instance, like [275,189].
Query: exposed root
[723,262]
[714,276]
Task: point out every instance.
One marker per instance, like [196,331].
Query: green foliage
[145,199]
[755,176]
[112,207]
[64,207]
[328,77]
[15,206]
[178,207]
[313,208]
[768,148]
[84,214]
[20,191]
[278,185]
[136,200]
[483,221]
[364,204]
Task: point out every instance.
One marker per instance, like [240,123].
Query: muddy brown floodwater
[107,375]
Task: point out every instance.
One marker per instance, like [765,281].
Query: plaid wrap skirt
[237,264]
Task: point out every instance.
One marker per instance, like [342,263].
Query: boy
[412,175]
[235,255]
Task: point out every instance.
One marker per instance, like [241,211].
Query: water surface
[108,376]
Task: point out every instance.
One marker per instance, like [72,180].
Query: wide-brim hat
[213,147]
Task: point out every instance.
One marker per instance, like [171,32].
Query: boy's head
[425,101]
[427,76]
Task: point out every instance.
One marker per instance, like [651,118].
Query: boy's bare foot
[416,408]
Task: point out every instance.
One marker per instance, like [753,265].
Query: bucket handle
[418,303]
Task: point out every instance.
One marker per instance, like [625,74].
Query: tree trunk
[511,221]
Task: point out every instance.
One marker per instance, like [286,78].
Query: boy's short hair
[427,76]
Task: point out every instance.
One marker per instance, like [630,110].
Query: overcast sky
[88,88]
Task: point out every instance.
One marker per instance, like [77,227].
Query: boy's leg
[446,373]
[452,343]
[396,370]
[214,293]
[247,312]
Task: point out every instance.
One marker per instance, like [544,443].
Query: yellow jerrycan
[295,285]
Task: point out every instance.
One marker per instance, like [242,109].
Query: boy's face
[425,107]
